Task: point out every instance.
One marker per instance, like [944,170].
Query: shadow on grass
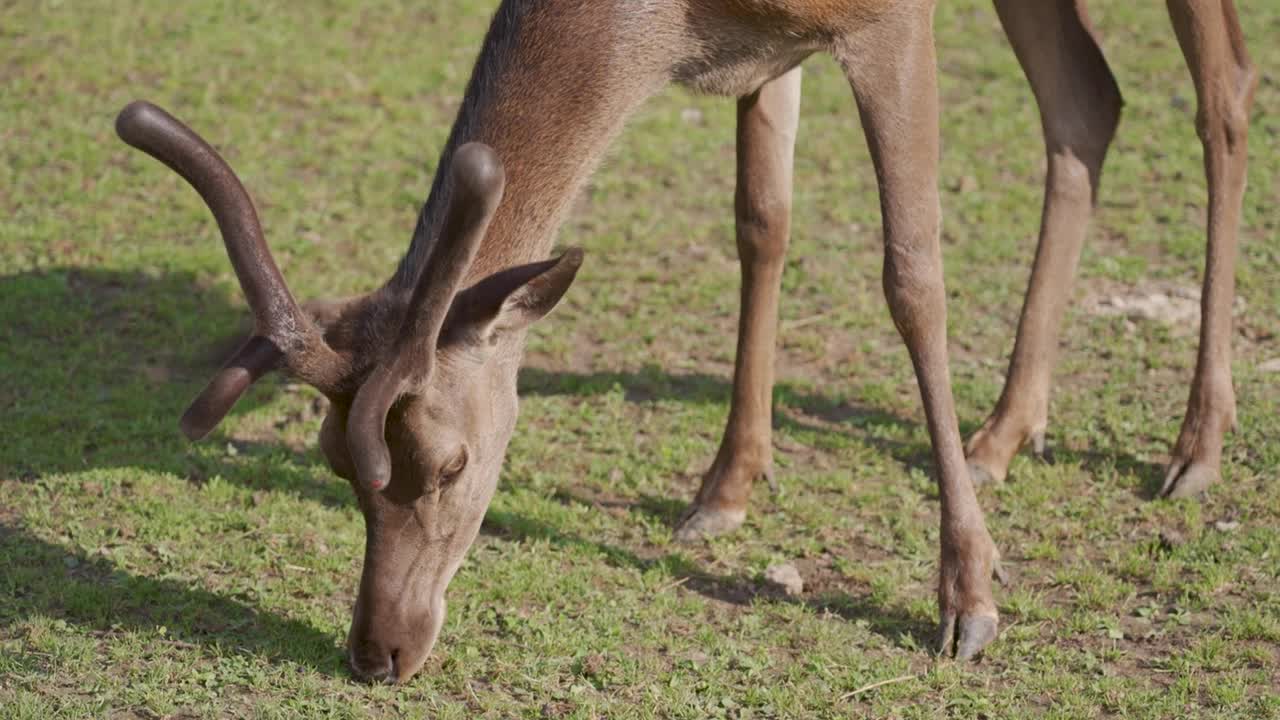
[38,578]
[795,409]
[1098,464]
[100,364]
[1102,463]
[799,410]
[891,622]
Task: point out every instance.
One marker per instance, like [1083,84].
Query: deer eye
[450,472]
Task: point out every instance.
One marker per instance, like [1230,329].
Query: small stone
[786,577]
[1270,366]
[698,252]
[697,658]
[1226,526]
[693,116]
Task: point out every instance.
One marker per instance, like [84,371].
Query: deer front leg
[894,79]
[767,121]
[1213,44]
[1079,110]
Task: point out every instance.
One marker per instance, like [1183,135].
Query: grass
[142,576]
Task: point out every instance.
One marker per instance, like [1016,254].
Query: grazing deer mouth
[390,643]
[386,674]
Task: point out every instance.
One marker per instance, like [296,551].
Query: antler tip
[374,468]
[478,169]
[194,425]
[134,117]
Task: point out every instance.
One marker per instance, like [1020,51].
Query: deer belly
[829,17]
[735,46]
[737,73]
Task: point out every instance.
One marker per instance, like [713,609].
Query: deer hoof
[975,633]
[1188,479]
[703,522]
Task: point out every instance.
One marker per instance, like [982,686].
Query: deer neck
[551,88]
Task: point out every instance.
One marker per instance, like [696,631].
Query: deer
[421,372]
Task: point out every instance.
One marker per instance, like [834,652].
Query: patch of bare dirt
[1177,306]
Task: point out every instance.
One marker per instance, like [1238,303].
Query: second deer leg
[767,122]
[1211,39]
[1079,110]
[892,72]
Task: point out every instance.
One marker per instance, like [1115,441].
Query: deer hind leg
[1079,110]
[1213,44]
[894,80]
[767,122]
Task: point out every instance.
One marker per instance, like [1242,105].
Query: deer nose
[379,669]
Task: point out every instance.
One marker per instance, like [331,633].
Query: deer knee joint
[1073,178]
[763,226]
[1222,119]
[915,293]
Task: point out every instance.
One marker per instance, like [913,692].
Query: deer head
[421,382]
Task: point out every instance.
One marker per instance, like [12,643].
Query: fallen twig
[673,584]
[875,685]
[801,322]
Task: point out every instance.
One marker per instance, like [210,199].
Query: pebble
[786,577]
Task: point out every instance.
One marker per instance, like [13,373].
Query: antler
[283,333]
[478,181]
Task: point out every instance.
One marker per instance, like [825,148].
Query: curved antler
[283,333]
[478,181]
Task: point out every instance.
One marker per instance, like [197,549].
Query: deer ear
[510,300]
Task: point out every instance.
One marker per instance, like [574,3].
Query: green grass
[142,576]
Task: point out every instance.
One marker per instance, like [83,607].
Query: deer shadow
[100,364]
[798,409]
[97,367]
[892,622]
[44,579]
[795,407]
[1095,462]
